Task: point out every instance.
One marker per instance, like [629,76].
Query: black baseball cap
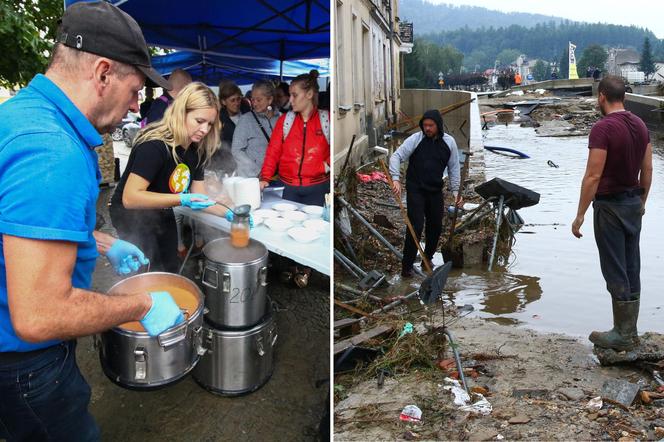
[103,29]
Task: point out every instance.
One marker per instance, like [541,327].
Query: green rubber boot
[623,336]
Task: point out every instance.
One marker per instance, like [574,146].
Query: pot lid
[222,251]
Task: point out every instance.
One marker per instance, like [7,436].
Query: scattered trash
[482,406]
[373,176]
[461,398]
[407,328]
[595,403]
[620,391]
[411,413]
[552,164]
[460,395]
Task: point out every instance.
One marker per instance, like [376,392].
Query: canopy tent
[210,69]
[250,29]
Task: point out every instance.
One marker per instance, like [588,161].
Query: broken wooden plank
[362,337]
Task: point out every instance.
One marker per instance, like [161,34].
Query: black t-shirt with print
[154,162]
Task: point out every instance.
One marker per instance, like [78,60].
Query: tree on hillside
[426,61]
[594,56]
[543,41]
[563,66]
[27,32]
[477,58]
[647,65]
[507,56]
[541,71]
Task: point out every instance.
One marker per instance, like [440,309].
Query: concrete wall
[643,106]
[458,123]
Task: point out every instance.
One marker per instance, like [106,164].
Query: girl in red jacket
[299,149]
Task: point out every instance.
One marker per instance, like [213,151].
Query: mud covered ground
[289,407]
[564,117]
[538,385]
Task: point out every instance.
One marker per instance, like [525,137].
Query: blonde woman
[164,170]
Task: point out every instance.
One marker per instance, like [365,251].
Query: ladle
[241,210]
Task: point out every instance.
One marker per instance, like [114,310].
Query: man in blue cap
[48,192]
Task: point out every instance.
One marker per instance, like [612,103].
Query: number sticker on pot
[179,180]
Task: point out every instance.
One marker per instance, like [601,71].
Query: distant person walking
[617,181]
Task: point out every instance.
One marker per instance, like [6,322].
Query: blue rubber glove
[229,218]
[126,257]
[163,314]
[195,201]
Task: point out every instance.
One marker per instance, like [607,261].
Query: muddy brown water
[552,282]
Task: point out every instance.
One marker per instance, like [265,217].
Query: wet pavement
[552,281]
[289,407]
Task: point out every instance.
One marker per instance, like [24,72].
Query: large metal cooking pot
[237,361]
[235,283]
[137,360]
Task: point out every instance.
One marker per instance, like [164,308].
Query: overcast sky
[648,14]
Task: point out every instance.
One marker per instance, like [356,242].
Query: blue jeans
[617,226]
[46,398]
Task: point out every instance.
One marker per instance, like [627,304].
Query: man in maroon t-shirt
[617,180]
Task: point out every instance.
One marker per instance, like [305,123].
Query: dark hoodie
[625,138]
[427,163]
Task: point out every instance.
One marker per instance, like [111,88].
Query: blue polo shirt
[49,183]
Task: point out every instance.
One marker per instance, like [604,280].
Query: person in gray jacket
[428,153]
[253,131]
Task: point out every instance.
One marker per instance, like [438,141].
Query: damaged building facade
[367,73]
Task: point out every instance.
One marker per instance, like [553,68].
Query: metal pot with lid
[235,283]
[132,358]
[237,361]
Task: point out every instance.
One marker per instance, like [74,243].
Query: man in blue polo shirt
[48,191]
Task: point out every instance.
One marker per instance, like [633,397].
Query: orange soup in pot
[186,300]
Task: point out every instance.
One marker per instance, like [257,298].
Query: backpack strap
[288,123]
[323,116]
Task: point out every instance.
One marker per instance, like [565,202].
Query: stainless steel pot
[237,361]
[139,361]
[235,283]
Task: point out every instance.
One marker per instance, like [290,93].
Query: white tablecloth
[315,254]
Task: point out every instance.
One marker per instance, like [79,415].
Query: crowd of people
[276,133]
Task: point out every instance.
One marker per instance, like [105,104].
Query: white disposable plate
[303,235]
[265,213]
[313,211]
[278,224]
[316,224]
[295,215]
[283,207]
